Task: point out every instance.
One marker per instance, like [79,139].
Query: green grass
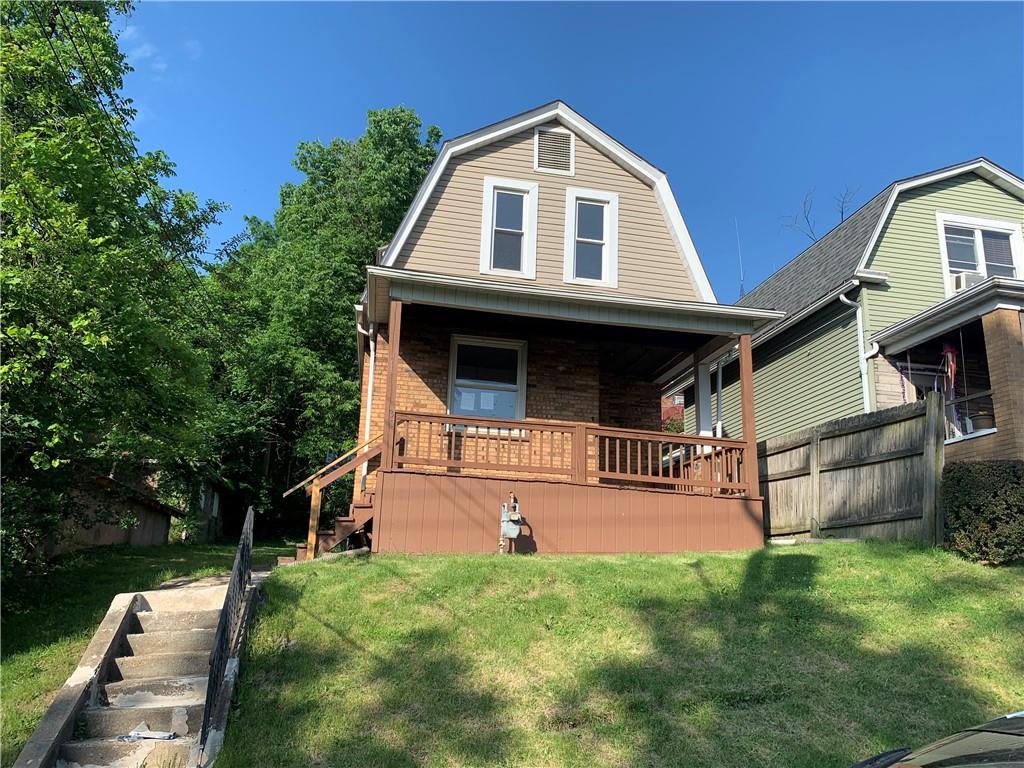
[48,620]
[798,656]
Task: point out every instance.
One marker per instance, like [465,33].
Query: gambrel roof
[559,111]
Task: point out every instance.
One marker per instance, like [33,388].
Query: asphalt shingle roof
[824,266]
[833,259]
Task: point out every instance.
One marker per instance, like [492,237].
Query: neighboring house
[515,337]
[152,518]
[920,289]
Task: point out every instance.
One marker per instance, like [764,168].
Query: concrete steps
[171,641]
[122,754]
[160,680]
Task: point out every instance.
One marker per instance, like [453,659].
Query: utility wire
[66,72]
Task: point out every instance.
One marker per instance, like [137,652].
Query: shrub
[984,509]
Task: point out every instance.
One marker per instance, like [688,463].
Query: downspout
[718,399]
[862,355]
[372,336]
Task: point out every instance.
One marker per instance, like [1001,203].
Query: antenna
[739,252]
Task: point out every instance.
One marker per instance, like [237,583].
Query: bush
[984,510]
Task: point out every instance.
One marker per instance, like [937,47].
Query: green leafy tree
[103,300]
[288,372]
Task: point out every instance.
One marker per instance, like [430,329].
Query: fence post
[814,477]
[932,523]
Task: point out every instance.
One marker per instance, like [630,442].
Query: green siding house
[920,289]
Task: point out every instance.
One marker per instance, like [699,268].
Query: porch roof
[957,310]
[385,283]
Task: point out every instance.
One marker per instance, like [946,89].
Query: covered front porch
[476,392]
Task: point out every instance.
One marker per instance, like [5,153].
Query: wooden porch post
[314,520]
[749,430]
[394,359]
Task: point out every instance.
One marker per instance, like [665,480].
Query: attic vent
[553,151]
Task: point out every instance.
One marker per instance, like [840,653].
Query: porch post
[394,359]
[749,430]
[314,520]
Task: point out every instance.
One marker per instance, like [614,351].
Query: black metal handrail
[229,625]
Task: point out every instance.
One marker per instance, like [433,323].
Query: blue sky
[746,106]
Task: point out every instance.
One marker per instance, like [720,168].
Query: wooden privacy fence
[874,475]
[575,453]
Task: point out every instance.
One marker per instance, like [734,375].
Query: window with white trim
[987,247]
[488,378]
[591,237]
[509,228]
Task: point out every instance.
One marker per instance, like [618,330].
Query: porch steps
[160,680]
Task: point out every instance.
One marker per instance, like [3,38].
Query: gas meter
[510,521]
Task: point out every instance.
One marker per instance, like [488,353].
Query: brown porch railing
[577,453]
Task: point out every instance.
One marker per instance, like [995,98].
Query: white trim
[536,150]
[970,436]
[981,166]
[606,144]
[486,341]
[610,252]
[978,224]
[752,315]
[681,237]
[531,191]
[988,296]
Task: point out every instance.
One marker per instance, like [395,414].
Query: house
[515,337]
[921,289]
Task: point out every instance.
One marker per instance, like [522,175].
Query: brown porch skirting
[430,512]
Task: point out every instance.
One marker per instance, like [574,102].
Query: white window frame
[493,185]
[610,260]
[485,341]
[1012,228]
[536,150]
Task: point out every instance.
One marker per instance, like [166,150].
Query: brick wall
[568,377]
[1004,345]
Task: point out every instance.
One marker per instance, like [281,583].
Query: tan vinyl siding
[446,239]
[805,376]
[908,246]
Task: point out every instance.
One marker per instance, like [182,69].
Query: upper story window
[554,151]
[508,236]
[591,237]
[982,247]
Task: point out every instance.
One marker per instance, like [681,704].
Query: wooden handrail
[582,453]
[479,421]
[328,467]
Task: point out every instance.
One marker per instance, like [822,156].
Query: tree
[102,294]
[288,372]
[804,222]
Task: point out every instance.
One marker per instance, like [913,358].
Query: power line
[129,151]
[66,72]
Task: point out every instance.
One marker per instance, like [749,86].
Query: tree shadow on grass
[339,703]
[769,673]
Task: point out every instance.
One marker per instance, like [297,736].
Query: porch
[969,348]
[476,392]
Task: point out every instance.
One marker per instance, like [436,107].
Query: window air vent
[554,151]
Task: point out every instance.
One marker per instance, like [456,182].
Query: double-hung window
[591,237]
[987,247]
[508,238]
[488,378]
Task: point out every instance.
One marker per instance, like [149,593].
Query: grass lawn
[790,656]
[47,621]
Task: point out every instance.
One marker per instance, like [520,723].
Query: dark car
[996,744]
